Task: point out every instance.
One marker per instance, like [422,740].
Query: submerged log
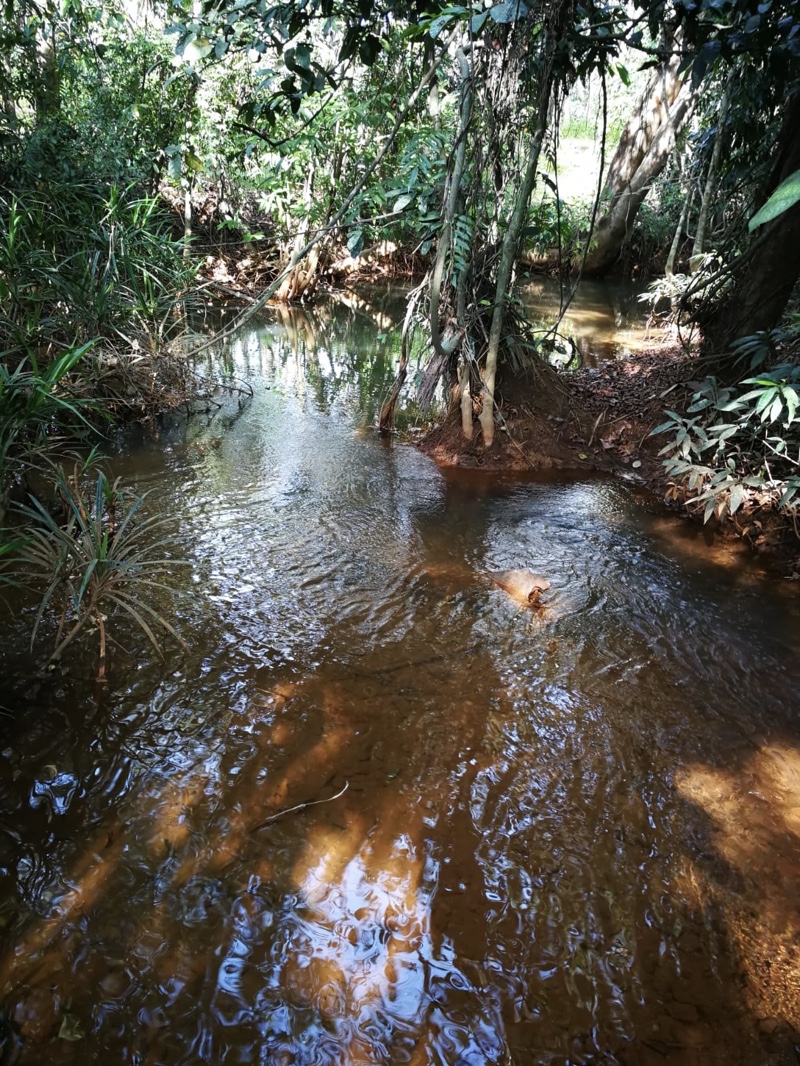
[521,585]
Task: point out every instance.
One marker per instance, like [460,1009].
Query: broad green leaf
[197,49]
[785,196]
[355,242]
[508,11]
[792,401]
[775,410]
[439,24]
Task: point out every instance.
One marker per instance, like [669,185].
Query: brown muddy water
[603,320]
[377,813]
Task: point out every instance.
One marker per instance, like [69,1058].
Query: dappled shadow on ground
[749,870]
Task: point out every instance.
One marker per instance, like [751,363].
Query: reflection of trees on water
[343,347]
[603,319]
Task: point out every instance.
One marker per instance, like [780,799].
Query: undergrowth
[738,446]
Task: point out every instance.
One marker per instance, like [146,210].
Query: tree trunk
[767,273]
[508,256]
[710,189]
[302,279]
[669,266]
[642,153]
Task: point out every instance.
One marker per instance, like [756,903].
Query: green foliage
[97,559]
[731,443]
[79,262]
[553,224]
[785,196]
[34,401]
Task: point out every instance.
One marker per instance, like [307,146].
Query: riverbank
[606,427]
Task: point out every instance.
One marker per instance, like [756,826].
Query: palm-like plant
[100,559]
[32,402]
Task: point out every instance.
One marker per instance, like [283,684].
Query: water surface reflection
[553,829]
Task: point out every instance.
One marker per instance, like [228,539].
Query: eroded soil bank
[601,422]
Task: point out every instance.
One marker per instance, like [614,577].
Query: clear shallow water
[561,837]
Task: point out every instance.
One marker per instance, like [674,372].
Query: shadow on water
[568,836]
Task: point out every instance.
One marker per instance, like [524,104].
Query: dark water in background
[561,837]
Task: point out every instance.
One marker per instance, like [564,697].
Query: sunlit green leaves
[733,443]
[785,196]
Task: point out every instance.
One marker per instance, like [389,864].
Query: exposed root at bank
[602,421]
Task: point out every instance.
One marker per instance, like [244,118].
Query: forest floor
[604,425]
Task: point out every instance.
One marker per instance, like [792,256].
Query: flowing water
[376,812]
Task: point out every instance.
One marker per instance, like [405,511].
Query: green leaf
[439,24]
[737,498]
[775,410]
[194,162]
[355,242]
[508,11]
[196,49]
[792,401]
[785,196]
[71,1028]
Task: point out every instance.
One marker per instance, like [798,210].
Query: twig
[596,424]
[300,807]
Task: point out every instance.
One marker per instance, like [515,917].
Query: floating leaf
[71,1028]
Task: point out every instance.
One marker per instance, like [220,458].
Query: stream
[376,812]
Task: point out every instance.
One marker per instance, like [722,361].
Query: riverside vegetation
[153,160]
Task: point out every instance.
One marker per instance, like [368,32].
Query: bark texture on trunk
[642,153]
[769,271]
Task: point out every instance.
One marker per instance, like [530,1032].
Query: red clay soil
[600,420]
[591,419]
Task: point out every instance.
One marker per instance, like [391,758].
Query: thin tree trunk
[710,189]
[302,277]
[669,266]
[386,421]
[508,256]
[187,219]
[446,348]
